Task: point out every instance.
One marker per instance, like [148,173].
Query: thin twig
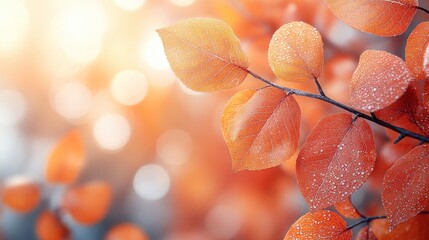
[367,220]
[401,131]
[423,9]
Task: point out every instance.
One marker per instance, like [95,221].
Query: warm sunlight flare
[129,87]
[13,24]
[129,5]
[79,27]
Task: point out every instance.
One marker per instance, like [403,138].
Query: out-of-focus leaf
[415,50]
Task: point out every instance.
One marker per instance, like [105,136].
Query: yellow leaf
[295,53]
[205,54]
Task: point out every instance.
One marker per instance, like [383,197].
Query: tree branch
[367,220]
[423,9]
[403,132]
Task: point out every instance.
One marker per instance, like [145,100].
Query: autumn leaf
[295,52]
[335,160]
[381,17]
[415,50]
[321,224]
[50,227]
[89,203]
[407,104]
[261,128]
[21,194]
[365,233]
[406,186]
[347,209]
[66,160]
[205,54]
[379,80]
[415,228]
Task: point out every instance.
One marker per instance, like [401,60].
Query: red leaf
[365,233]
[406,186]
[261,128]
[380,17]
[321,224]
[21,194]
[335,160]
[89,203]
[379,80]
[417,43]
[126,231]
[347,209]
[405,105]
[416,228]
[50,227]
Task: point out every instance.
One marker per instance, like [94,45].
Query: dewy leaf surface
[416,228]
[406,186]
[335,160]
[321,224]
[205,54]
[379,80]
[415,50]
[261,128]
[66,160]
[295,52]
[379,17]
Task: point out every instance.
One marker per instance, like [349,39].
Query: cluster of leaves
[262,127]
[87,203]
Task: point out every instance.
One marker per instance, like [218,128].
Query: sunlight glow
[129,87]
[13,107]
[112,131]
[152,52]
[129,5]
[80,26]
[174,147]
[72,101]
[13,24]
[151,182]
[182,3]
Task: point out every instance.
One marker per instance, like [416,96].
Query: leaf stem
[367,220]
[322,97]
[423,9]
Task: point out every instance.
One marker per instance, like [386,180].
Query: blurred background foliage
[147,151]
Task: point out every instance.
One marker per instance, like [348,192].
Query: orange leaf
[89,203]
[421,119]
[296,52]
[66,160]
[380,17]
[335,160]
[365,234]
[205,54]
[417,43]
[49,227]
[415,228]
[426,91]
[406,186]
[405,105]
[379,80]
[21,194]
[321,224]
[261,128]
[125,231]
[347,209]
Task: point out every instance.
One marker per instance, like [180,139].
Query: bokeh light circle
[13,107]
[129,87]
[223,222]
[174,147]
[72,100]
[112,131]
[129,5]
[151,182]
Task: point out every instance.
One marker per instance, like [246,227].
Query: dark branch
[319,87]
[423,9]
[367,220]
[401,131]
